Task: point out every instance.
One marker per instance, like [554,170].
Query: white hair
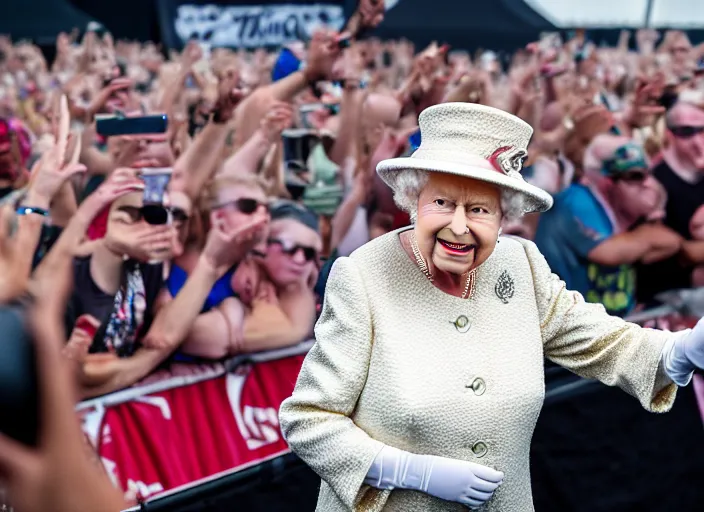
[409,183]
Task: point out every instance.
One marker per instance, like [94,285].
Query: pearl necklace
[469,276]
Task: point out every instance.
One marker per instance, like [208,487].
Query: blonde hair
[209,199]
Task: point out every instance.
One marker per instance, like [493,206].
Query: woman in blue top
[237,202]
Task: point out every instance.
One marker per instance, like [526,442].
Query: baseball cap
[285,209]
[627,158]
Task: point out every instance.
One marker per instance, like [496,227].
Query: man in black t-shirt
[682,174]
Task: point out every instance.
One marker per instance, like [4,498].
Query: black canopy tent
[41,20]
[501,25]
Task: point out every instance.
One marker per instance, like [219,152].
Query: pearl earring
[466,230]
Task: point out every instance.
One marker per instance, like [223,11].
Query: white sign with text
[254,26]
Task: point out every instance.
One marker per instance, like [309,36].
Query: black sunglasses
[245,205]
[631,177]
[290,248]
[685,132]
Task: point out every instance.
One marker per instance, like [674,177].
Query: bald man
[681,172]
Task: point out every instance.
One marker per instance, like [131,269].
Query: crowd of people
[271,159]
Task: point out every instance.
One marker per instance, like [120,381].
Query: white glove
[684,353]
[448,479]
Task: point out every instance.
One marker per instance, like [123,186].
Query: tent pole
[648,14]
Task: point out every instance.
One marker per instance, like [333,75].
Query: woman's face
[239,205]
[458,222]
[292,252]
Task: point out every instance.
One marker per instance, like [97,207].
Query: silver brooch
[508,159]
[504,287]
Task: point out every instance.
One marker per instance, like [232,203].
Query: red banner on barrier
[155,442]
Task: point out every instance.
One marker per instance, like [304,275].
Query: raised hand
[121,181]
[323,51]
[101,99]
[645,103]
[53,169]
[371,12]
[279,117]
[225,247]
[229,96]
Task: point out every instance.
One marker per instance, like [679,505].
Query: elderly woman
[426,381]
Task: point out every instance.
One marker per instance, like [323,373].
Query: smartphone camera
[155,214]
[155,182]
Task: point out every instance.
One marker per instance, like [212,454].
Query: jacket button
[462,324]
[479,449]
[478,386]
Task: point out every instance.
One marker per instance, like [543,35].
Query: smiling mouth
[455,248]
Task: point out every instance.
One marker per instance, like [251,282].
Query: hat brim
[535,198]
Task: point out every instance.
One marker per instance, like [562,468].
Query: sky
[621,13]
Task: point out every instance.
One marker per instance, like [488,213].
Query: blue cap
[286,64]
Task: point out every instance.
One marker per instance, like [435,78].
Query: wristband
[26,210]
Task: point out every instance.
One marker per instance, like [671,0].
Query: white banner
[254,26]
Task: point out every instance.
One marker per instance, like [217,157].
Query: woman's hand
[52,170]
[685,353]
[225,247]
[448,479]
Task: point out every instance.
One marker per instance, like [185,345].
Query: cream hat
[475,141]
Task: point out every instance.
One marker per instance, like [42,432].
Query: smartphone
[19,384]
[116,125]
[155,182]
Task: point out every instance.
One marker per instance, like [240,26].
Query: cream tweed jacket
[399,362]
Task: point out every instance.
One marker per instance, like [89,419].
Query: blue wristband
[26,210]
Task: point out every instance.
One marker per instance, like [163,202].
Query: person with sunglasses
[236,201]
[590,238]
[285,311]
[680,172]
